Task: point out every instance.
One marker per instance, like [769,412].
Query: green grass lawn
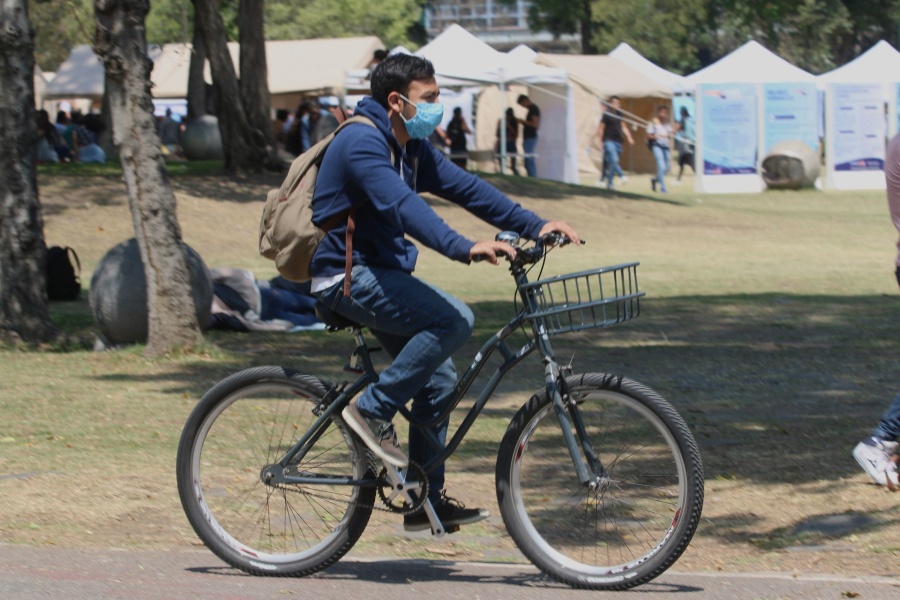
[770,321]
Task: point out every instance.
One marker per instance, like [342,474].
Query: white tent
[751,63]
[634,59]
[596,78]
[79,76]
[878,64]
[522,52]
[459,58]
[294,68]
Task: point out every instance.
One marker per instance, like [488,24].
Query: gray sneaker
[875,456]
[377,434]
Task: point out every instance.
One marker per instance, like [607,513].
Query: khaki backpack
[287,234]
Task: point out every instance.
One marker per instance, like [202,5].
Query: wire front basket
[597,298]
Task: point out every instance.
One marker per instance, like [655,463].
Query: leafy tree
[243,145]
[565,17]
[665,31]
[121,42]
[392,21]
[817,35]
[59,26]
[24,309]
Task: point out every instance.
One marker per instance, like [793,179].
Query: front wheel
[638,512]
[256,521]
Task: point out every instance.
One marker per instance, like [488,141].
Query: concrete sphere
[201,139]
[791,165]
[119,293]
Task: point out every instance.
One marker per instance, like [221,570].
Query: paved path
[50,573]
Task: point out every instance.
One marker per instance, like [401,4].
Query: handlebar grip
[483,257]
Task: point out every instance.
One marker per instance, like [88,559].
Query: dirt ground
[775,426]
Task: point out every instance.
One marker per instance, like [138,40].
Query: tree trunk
[587,29]
[196,95]
[254,81]
[244,147]
[121,42]
[24,311]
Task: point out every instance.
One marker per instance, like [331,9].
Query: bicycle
[599,480]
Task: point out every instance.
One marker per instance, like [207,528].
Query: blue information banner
[789,113]
[859,127]
[729,128]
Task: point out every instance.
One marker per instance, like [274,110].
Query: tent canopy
[878,64]
[458,55]
[649,69]
[751,63]
[295,66]
[605,76]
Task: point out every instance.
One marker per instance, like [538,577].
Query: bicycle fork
[588,468]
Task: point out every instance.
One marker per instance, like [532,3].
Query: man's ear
[394,102]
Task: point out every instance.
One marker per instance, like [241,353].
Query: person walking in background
[512,135]
[659,136]
[876,454]
[685,140]
[610,132]
[530,125]
[170,134]
[457,129]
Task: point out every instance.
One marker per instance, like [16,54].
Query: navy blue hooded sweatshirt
[357,171]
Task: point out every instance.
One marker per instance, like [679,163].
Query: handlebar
[528,256]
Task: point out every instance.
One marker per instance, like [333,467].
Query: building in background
[503,25]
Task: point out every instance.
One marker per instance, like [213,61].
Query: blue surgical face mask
[428,117]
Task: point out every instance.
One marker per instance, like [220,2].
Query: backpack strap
[351,214]
[71,251]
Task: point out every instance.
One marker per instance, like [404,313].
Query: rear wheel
[639,512]
[245,424]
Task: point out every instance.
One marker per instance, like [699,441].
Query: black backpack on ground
[63,282]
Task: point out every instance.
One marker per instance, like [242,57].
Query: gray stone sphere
[119,293]
[791,165]
[201,139]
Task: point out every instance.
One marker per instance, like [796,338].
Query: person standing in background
[530,125]
[685,140]
[659,137]
[512,136]
[457,129]
[610,132]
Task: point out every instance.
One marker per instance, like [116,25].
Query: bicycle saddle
[333,320]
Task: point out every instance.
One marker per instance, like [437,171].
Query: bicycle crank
[403,490]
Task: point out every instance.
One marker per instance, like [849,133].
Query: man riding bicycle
[379,171]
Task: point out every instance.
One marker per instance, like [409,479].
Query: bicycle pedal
[451,529]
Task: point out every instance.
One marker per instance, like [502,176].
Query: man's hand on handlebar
[563,228]
[491,251]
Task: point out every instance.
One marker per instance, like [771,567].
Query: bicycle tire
[642,517]
[242,424]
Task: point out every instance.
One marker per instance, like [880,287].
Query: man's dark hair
[613,99]
[379,54]
[395,73]
[522,97]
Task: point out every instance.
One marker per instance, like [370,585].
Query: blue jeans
[611,152]
[662,165]
[528,145]
[889,426]
[420,327]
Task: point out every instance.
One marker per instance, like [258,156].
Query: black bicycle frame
[563,407]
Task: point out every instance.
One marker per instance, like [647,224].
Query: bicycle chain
[382,483]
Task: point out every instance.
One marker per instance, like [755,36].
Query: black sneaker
[653,183]
[450,511]
[377,434]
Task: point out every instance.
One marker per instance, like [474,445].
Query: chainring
[393,499]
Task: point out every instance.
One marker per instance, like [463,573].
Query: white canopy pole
[502,124]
